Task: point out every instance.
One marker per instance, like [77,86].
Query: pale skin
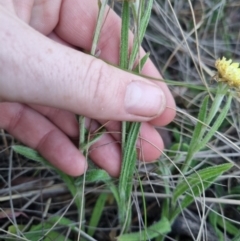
[45,81]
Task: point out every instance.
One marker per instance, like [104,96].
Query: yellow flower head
[228,72]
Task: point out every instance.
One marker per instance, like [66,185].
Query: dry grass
[184,38]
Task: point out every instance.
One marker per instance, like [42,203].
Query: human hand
[45,81]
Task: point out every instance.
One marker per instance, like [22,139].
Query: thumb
[37,70]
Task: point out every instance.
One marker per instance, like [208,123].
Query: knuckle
[44,140]
[15,116]
[98,77]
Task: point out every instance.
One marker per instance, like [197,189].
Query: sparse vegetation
[192,192]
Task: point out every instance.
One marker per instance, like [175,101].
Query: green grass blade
[166,202]
[144,205]
[199,141]
[213,219]
[195,185]
[123,62]
[124,35]
[81,119]
[197,135]
[237,236]
[161,227]
[142,63]
[35,156]
[222,90]
[128,165]
[93,175]
[202,118]
[126,176]
[217,123]
[124,65]
[193,192]
[55,221]
[199,179]
[97,213]
[37,232]
[114,191]
[30,154]
[230,228]
[200,128]
[86,145]
[102,6]
[130,131]
[144,20]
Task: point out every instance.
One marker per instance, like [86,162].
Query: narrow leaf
[129,160]
[30,154]
[196,184]
[126,176]
[97,213]
[35,156]
[161,227]
[189,197]
[222,90]
[141,32]
[102,5]
[124,35]
[199,179]
[213,218]
[93,175]
[237,236]
[142,63]
[199,129]
[217,123]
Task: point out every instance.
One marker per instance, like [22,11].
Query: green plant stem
[204,135]
[102,6]
[81,119]
[130,130]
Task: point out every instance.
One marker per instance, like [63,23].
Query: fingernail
[144,99]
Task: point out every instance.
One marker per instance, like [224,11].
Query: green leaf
[124,35]
[199,141]
[142,63]
[195,185]
[55,236]
[130,131]
[114,191]
[237,236]
[128,164]
[96,136]
[225,224]
[14,229]
[222,90]
[161,227]
[217,123]
[213,218]
[166,172]
[30,154]
[199,130]
[97,213]
[93,175]
[35,156]
[65,222]
[197,136]
[126,175]
[41,232]
[140,33]
[200,179]
[102,8]
[190,196]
